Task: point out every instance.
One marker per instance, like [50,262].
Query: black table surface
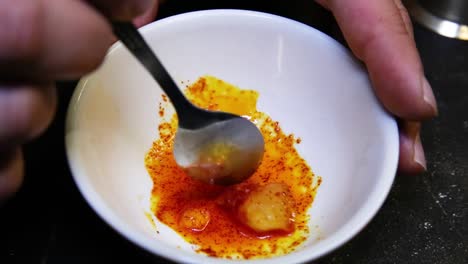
[424,219]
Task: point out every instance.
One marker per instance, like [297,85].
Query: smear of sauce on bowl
[261,217]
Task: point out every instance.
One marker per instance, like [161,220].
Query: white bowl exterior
[307,82]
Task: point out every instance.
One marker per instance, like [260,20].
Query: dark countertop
[424,220]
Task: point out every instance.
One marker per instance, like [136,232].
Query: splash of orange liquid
[198,212]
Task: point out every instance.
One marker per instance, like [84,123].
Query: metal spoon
[214,147]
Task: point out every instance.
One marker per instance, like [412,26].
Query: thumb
[380,34]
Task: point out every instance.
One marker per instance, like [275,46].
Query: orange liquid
[219,231]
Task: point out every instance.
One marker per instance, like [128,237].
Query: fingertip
[11,173]
[137,7]
[123,10]
[25,112]
[429,97]
[44,111]
[399,82]
[412,158]
[147,17]
[323,3]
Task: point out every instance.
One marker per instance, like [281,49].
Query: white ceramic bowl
[306,80]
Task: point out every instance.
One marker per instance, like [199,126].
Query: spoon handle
[135,43]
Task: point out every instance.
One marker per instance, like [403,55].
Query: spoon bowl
[224,152]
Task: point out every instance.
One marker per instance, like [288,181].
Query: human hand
[42,41]
[381,35]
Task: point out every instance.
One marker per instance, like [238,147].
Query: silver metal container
[446,17]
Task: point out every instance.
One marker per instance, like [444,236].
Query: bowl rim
[355,225]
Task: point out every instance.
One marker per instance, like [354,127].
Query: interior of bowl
[306,81]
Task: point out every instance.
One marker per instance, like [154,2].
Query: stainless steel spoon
[214,147]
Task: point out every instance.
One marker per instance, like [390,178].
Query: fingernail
[418,152]
[428,96]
